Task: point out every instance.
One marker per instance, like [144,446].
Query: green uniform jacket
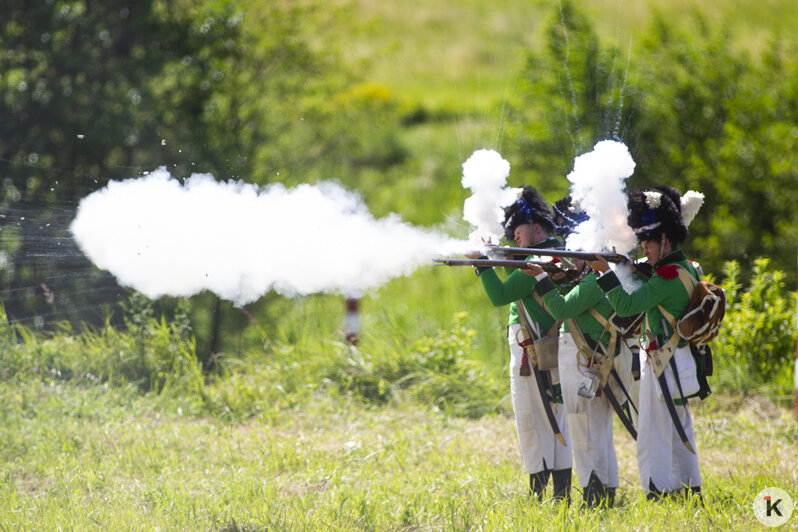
[664,288]
[517,286]
[576,304]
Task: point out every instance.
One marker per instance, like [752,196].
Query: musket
[551,268]
[584,255]
[491,263]
[641,268]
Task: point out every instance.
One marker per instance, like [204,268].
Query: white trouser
[589,421]
[540,449]
[662,458]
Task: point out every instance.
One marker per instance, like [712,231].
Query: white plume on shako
[240,241]
[485,173]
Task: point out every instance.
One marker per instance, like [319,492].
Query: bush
[435,370]
[755,349]
[154,354]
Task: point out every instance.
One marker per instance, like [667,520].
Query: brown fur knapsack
[698,325]
[701,323]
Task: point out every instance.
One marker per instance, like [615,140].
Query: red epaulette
[670,271]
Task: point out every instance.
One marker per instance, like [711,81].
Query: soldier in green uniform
[586,336]
[528,222]
[666,449]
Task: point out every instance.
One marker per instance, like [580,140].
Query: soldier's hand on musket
[555,271]
[532,269]
[599,264]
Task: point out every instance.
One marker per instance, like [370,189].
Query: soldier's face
[523,236]
[651,249]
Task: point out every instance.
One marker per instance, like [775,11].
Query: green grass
[411,430]
[98,458]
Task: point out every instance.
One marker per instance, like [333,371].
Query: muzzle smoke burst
[240,241]
[598,183]
[485,173]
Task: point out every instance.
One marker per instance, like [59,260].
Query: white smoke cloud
[240,241]
[598,183]
[598,188]
[485,173]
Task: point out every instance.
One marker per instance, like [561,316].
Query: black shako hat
[530,207]
[567,215]
[656,211]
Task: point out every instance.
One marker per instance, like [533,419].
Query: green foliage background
[390,102]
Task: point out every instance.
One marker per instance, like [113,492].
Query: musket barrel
[487,263]
[584,255]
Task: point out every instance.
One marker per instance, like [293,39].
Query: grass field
[99,458]
[463,53]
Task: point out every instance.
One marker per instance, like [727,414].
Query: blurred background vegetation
[389,99]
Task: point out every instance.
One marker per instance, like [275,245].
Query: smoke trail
[485,173]
[240,241]
[598,188]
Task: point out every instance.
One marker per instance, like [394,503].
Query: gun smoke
[598,188]
[598,183]
[485,173]
[240,241]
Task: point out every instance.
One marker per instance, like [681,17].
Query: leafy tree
[695,114]
[88,92]
[723,123]
[92,91]
[755,349]
[573,97]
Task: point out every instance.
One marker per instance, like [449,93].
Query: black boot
[537,483]
[610,497]
[596,493]
[696,493]
[653,493]
[562,484]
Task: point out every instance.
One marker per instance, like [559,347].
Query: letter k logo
[773,506]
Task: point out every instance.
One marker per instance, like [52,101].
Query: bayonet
[619,410]
[666,394]
[606,369]
[542,387]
